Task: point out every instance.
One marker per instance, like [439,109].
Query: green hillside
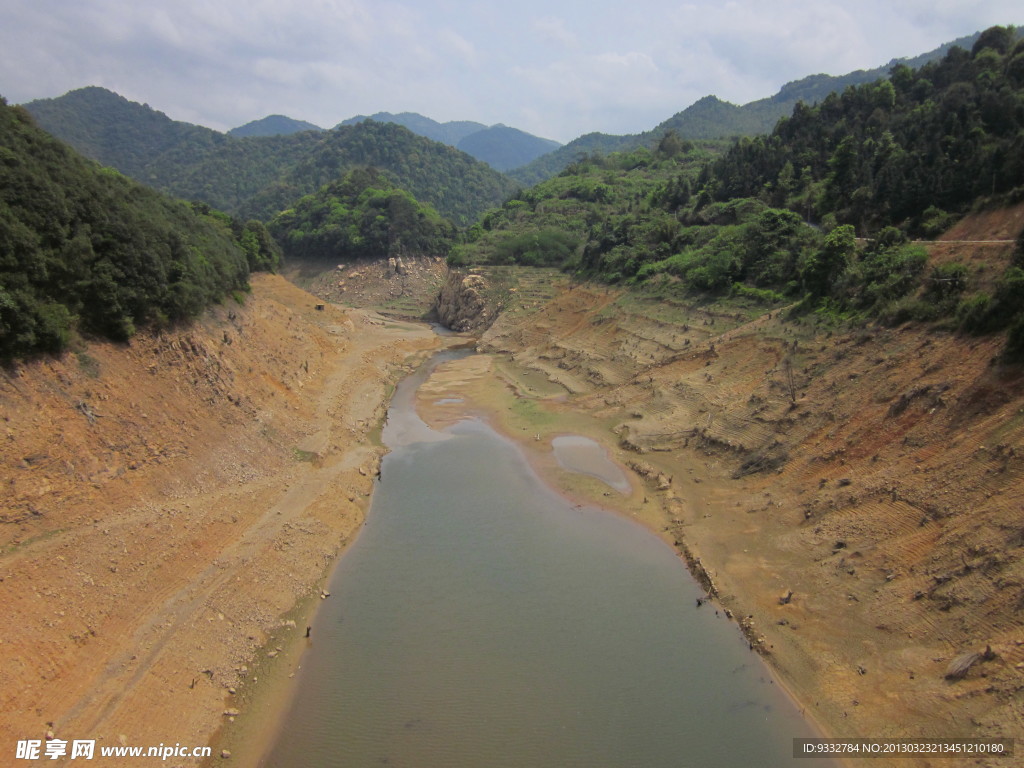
[887,160]
[362,215]
[504,148]
[117,132]
[500,146]
[458,186]
[451,132]
[258,176]
[85,249]
[273,125]
[711,118]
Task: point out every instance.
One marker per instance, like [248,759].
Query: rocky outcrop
[462,304]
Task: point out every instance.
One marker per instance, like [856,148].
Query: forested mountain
[258,176]
[273,125]
[117,132]
[450,133]
[895,151]
[458,186]
[499,146]
[712,118]
[362,215]
[546,166]
[505,148]
[85,248]
[887,159]
[552,223]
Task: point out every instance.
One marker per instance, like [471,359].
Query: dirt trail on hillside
[169,501]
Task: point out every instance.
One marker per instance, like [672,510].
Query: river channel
[482,620]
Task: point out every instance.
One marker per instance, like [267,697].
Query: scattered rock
[961,665]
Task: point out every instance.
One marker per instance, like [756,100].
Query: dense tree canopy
[898,151]
[362,216]
[85,248]
[778,218]
[257,177]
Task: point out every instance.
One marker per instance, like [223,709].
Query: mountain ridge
[501,146]
[273,125]
[258,176]
[450,132]
[711,117]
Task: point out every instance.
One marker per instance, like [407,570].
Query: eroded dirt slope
[404,288]
[166,502]
[855,496]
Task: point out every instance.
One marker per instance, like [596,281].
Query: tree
[822,268]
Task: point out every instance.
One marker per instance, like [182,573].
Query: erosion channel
[483,619]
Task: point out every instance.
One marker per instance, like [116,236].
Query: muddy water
[481,620]
[586,456]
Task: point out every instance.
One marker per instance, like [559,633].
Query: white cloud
[458,45]
[553,30]
[555,69]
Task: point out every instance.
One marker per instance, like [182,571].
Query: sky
[554,68]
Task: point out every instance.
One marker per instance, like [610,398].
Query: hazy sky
[555,68]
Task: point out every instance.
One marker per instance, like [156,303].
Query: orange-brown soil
[853,497]
[167,502]
[405,289]
[171,507]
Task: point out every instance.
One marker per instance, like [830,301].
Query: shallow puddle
[587,457]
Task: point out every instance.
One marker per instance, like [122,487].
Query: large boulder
[463,302]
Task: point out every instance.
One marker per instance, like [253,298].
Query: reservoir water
[481,620]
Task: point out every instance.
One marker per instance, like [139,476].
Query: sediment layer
[167,502]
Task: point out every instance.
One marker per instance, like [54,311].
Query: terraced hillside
[854,494]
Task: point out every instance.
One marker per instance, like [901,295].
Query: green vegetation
[361,216]
[450,133]
[85,248]
[273,125]
[818,214]
[259,176]
[561,221]
[882,161]
[710,118]
[499,146]
[458,186]
[556,161]
[504,148]
[904,151]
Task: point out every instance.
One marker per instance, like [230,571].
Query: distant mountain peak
[500,146]
[273,125]
[450,133]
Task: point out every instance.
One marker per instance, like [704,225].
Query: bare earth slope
[404,288]
[854,498]
[167,502]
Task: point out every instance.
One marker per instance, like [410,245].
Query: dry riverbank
[851,496]
[169,502]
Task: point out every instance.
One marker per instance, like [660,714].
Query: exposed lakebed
[481,619]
